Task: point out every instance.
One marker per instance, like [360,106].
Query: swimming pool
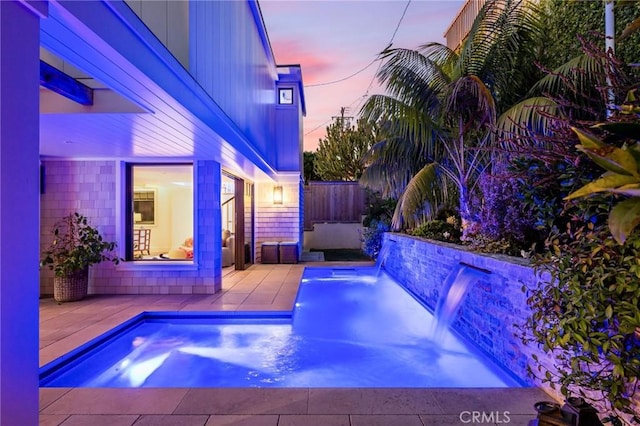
[350,327]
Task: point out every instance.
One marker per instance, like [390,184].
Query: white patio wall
[333,236]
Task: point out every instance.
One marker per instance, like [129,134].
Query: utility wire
[363,97]
[366,94]
[370,63]
[329,120]
[342,79]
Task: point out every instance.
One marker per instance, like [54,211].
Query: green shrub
[587,315]
[441,230]
[372,237]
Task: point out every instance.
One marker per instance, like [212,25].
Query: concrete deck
[261,287]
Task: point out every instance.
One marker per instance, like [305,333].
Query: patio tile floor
[261,287]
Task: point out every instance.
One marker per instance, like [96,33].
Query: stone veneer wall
[491,307]
[89,187]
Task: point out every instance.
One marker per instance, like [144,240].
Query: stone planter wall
[491,307]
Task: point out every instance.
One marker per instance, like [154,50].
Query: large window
[160,200]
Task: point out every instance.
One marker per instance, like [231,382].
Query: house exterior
[165,123]
[461,24]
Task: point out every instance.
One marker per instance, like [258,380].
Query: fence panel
[333,202]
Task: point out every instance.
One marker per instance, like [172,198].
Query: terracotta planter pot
[72,287]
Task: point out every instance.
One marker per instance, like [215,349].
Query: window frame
[128,211]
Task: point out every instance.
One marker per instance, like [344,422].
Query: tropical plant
[622,177]
[440,108]
[372,237]
[582,89]
[506,224]
[586,314]
[76,245]
[441,230]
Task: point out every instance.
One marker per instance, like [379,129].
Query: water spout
[455,287]
[382,255]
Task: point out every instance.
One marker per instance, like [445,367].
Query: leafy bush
[586,316]
[542,186]
[484,244]
[379,209]
[506,224]
[622,164]
[76,245]
[372,237]
[441,230]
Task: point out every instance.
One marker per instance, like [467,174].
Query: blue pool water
[349,328]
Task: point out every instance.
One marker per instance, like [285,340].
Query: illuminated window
[160,223]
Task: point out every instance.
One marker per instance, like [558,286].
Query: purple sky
[333,39]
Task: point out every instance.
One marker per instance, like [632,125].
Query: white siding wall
[276,222]
[169,21]
[229,61]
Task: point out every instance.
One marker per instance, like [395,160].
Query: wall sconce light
[277,195]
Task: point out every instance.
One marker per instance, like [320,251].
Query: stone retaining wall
[494,303]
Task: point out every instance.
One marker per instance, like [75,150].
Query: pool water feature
[455,287]
[349,328]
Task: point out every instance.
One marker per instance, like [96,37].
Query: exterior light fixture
[277,195]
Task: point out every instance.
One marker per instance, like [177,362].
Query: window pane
[162,205]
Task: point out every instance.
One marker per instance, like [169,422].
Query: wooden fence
[333,202]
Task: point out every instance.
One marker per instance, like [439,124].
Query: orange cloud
[314,66]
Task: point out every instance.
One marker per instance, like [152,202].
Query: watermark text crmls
[490,417]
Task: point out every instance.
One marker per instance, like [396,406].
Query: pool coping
[248,406]
[58,366]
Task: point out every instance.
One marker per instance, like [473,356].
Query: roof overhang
[108,42]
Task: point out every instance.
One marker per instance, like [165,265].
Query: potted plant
[76,245]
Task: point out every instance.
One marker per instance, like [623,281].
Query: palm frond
[390,165]
[443,57]
[404,121]
[526,119]
[420,194]
[580,74]
[412,78]
[501,42]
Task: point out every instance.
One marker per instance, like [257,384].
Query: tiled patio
[261,287]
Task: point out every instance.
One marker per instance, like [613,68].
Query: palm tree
[441,106]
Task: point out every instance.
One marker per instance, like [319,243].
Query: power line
[363,97]
[331,119]
[342,79]
[366,94]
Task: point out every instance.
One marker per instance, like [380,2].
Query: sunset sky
[333,40]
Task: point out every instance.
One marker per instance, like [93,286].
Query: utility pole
[610,48]
[344,120]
